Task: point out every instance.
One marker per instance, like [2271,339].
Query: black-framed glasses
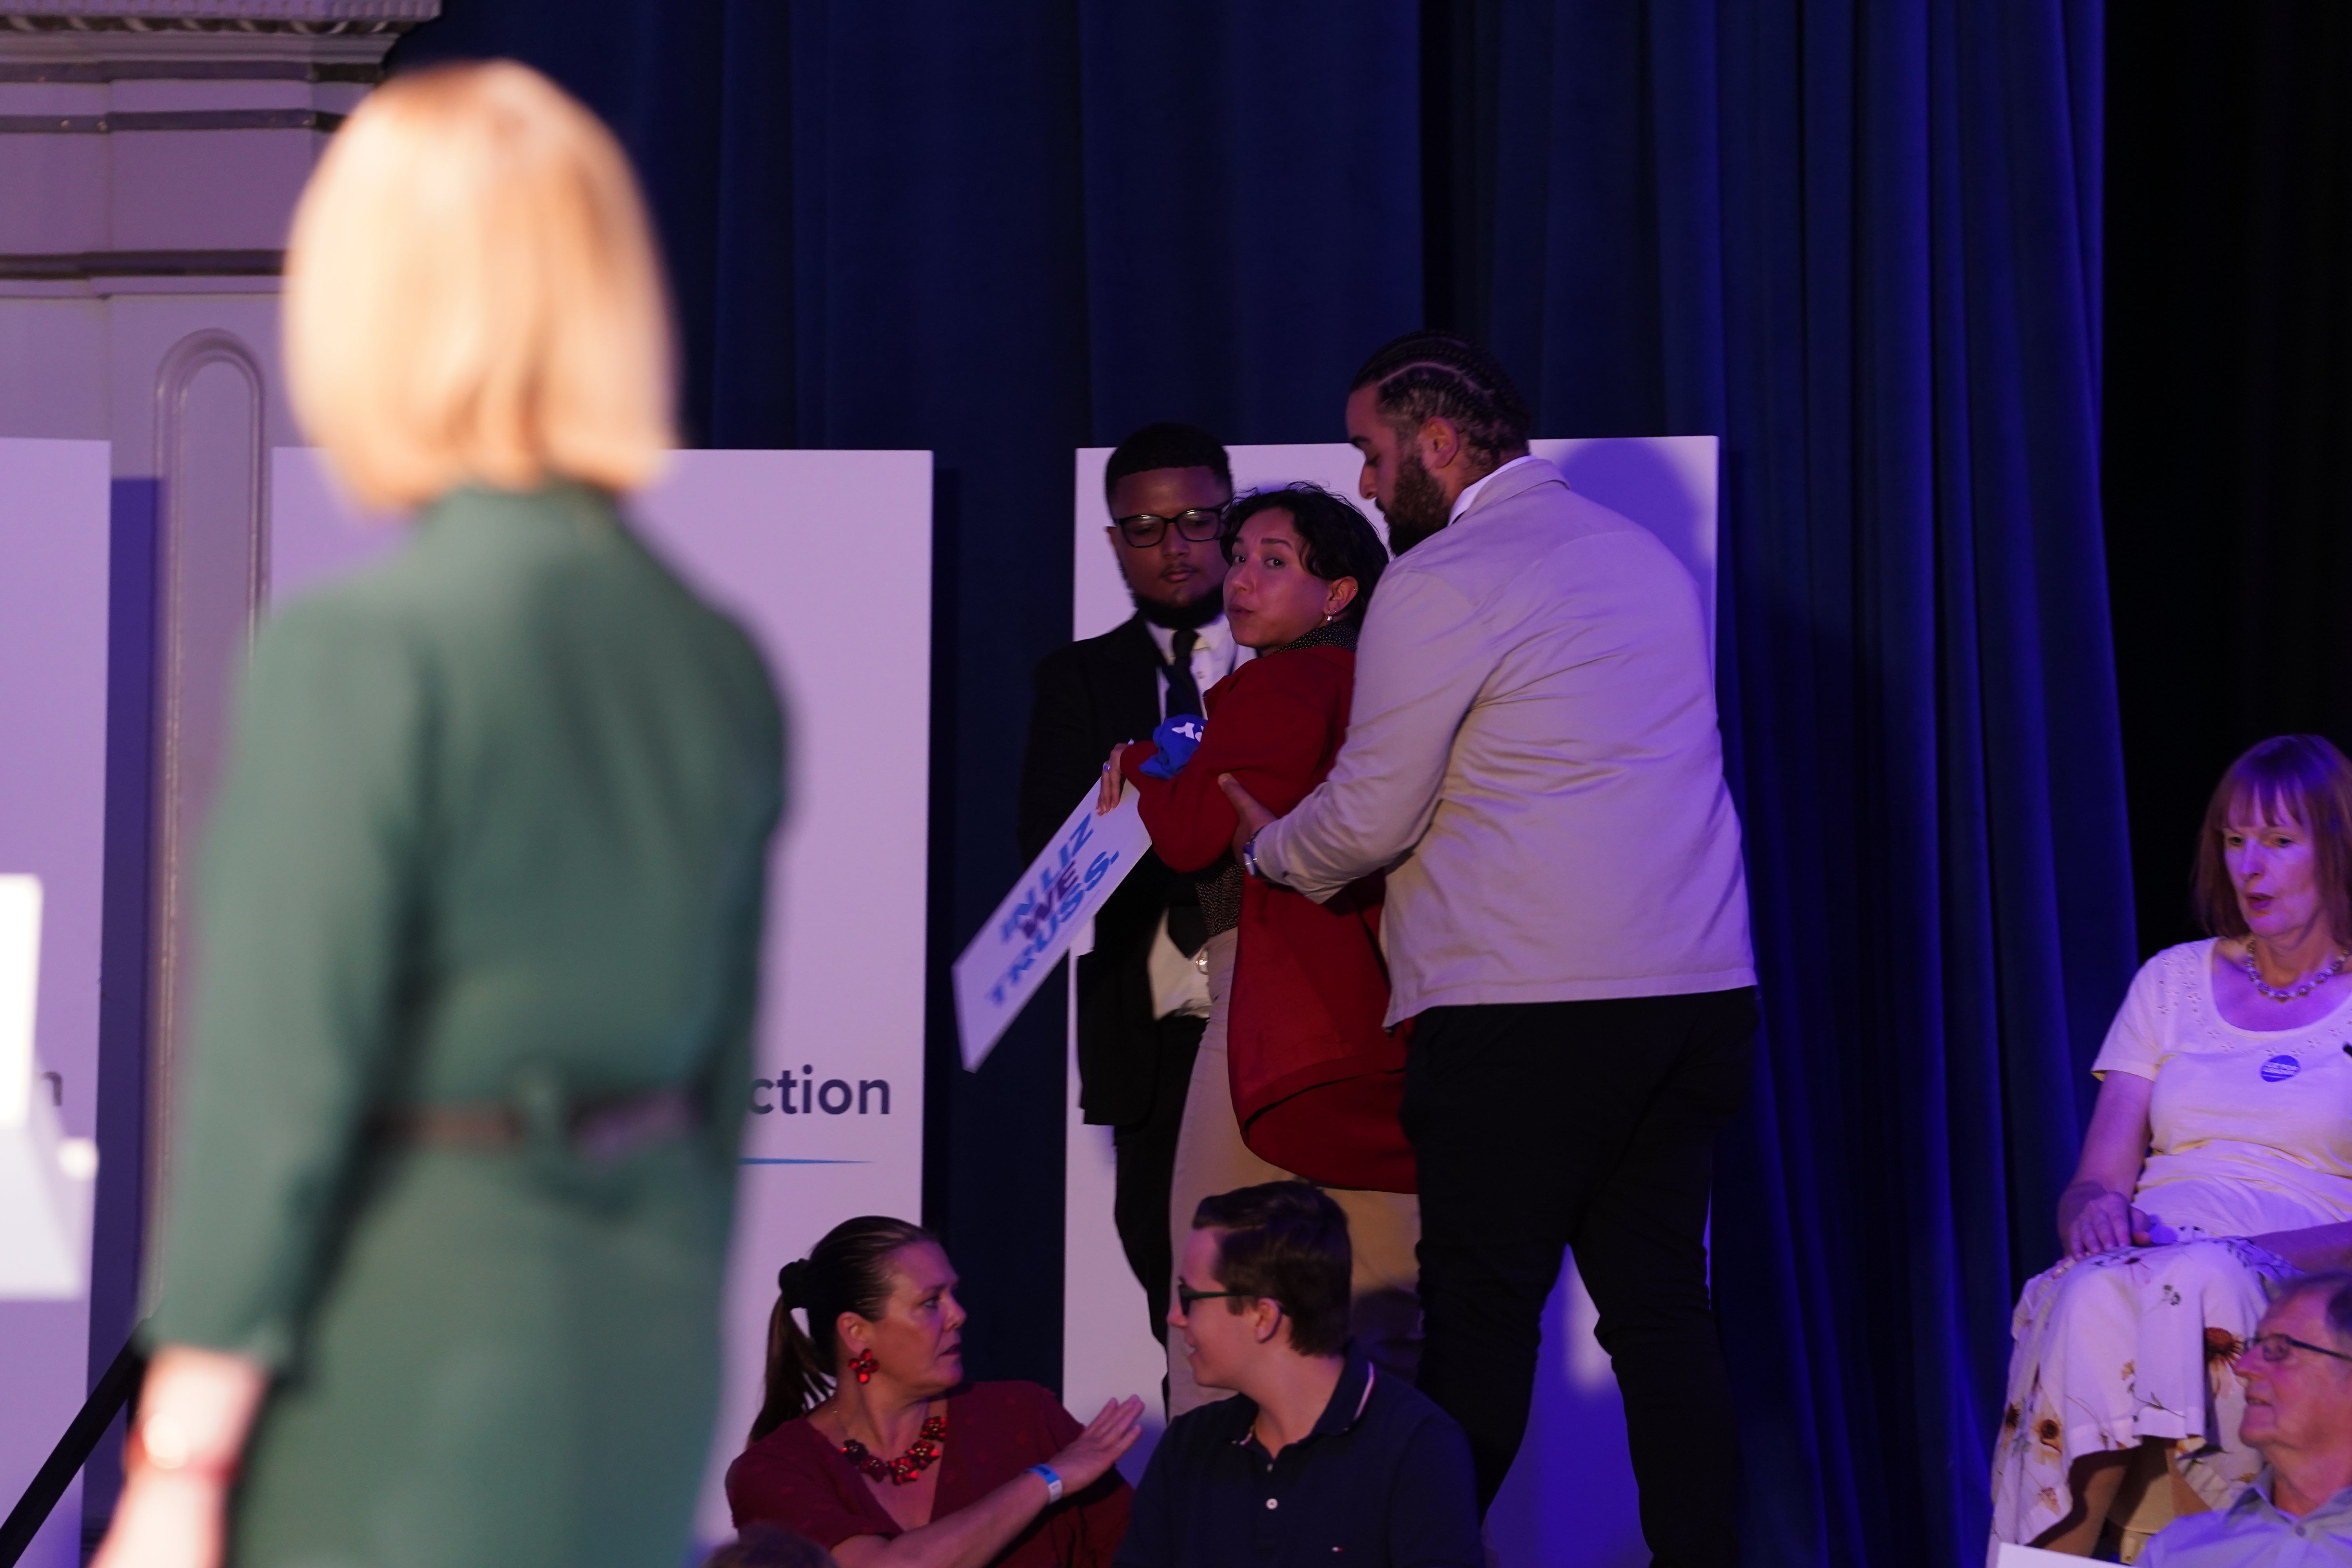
[1186,1296]
[1199,524]
[2276,1347]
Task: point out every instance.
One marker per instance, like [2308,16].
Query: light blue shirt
[2253,1534]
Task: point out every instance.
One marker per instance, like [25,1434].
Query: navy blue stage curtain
[1000,232]
[1862,242]
[1254,214]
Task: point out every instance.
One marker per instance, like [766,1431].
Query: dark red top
[1317,1082]
[796,1477]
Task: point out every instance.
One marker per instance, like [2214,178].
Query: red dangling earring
[862,1364]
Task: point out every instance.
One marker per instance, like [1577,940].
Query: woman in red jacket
[1294,1076]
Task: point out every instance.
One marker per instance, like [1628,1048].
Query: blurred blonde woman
[481,911]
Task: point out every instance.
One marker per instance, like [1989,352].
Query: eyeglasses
[1186,1296]
[1199,524]
[2276,1347]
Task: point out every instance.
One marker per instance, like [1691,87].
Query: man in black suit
[1142,1002]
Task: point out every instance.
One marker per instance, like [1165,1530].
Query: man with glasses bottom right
[2297,1369]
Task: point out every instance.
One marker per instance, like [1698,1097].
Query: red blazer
[1317,1082]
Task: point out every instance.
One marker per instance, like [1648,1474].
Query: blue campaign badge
[1178,737]
[2279,1068]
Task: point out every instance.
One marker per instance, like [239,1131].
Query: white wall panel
[53,651]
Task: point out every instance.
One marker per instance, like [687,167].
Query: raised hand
[1098,1448]
[1114,782]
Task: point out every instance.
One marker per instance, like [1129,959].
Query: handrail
[118,1388]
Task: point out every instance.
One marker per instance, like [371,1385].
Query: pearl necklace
[2280,993]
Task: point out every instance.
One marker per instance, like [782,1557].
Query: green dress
[494,830]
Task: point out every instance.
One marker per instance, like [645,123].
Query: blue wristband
[1249,858]
[1053,1483]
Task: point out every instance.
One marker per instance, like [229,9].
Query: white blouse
[2252,1129]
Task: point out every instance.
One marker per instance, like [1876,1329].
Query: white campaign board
[1665,483]
[1570,1502]
[55,560]
[773,537]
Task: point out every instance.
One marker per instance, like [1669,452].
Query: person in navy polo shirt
[1319,1457]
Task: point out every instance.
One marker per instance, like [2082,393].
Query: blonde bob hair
[472,295]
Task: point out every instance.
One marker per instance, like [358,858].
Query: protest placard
[1010,957]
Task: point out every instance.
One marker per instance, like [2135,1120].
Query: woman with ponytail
[871,1443]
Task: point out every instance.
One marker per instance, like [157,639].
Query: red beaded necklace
[903,1469]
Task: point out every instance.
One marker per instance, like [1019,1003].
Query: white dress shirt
[1178,985]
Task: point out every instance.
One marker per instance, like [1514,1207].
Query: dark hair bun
[792,1282]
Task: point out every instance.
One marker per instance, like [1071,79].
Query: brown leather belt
[600,1131]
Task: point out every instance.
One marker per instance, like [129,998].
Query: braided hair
[851,1270]
[1437,375]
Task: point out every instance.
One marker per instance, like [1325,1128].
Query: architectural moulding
[58,41]
[170,138]
[215,543]
[78,267]
[202,16]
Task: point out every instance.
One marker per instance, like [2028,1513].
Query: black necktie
[1183,691]
[1185,927]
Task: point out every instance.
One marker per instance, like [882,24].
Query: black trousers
[1145,1153]
[1583,1125]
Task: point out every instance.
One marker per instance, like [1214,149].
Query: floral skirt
[2121,1346]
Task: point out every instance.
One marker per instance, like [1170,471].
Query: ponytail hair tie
[791,1283]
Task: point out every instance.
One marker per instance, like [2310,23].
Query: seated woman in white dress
[2219,1157]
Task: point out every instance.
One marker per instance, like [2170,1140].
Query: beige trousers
[1211,1158]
